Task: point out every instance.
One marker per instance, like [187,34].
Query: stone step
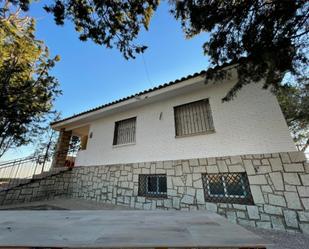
[49,173]
[59,169]
[40,176]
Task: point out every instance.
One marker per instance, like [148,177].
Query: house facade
[185,120]
[178,146]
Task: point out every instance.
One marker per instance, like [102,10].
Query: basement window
[124,132]
[152,185]
[227,188]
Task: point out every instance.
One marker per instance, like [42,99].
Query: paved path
[280,240]
[122,228]
[69,204]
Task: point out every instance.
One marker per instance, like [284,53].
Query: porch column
[62,148]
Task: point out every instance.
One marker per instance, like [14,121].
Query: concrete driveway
[278,239]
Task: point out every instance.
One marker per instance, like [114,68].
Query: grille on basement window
[227,188]
[193,118]
[125,131]
[152,185]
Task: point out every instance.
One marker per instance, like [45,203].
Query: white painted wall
[251,123]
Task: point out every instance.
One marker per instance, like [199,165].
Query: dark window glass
[162,185]
[235,186]
[228,188]
[216,185]
[152,185]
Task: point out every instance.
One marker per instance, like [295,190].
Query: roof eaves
[190,76]
[131,96]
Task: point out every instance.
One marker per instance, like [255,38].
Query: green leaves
[109,23]
[27,90]
[294,102]
[271,35]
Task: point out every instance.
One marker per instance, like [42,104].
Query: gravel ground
[282,240]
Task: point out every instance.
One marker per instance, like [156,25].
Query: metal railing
[19,171]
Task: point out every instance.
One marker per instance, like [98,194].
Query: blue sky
[91,75]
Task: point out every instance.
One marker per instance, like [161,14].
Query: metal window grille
[125,131]
[227,188]
[152,186]
[193,118]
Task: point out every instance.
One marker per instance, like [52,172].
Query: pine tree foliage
[294,102]
[110,23]
[266,38]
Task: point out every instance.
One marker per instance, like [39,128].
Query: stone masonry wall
[42,188]
[279,184]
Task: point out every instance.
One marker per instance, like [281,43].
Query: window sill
[196,134]
[123,145]
[241,201]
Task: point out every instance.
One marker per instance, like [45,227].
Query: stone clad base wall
[279,184]
[50,187]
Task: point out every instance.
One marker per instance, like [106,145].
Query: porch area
[72,143]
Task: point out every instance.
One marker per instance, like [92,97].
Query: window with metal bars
[125,131]
[193,118]
[227,188]
[152,185]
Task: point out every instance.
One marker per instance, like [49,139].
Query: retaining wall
[279,184]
